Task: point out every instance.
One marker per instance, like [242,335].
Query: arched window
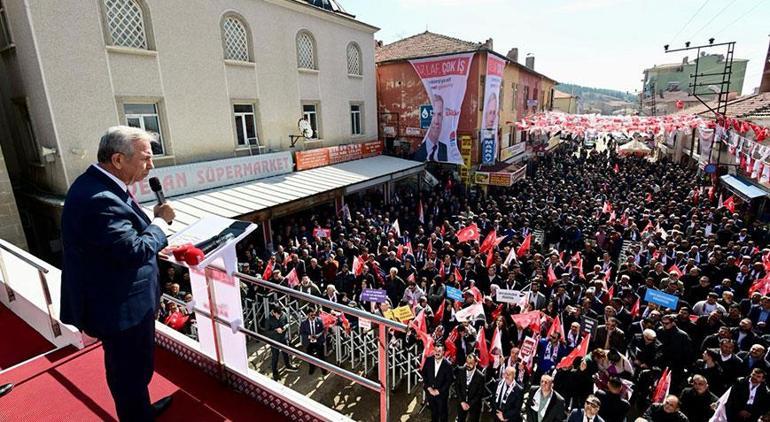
[236,39]
[125,22]
[306,51]
[354,59]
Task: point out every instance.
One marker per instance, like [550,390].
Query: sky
[596,43]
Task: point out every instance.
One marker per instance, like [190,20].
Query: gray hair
[120,139]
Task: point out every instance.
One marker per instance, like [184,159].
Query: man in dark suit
[508,398]
[748,398]
[589,412]
[311,332]
[609,336]
[469,385]
[432,149]
[110,284]
[436,379]
[545,404]
[276,327]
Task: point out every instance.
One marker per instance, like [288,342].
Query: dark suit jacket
[442,381]
[511,408]
[469,393]
[110,269]
[304,331]
[555,411]
[739,396]
[577,416]
[422,153]
[617,338]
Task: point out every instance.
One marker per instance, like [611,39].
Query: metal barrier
[296,303]
[41,271]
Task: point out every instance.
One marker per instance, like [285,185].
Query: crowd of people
[584,240]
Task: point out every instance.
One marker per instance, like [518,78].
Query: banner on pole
[492,84]
[445,79]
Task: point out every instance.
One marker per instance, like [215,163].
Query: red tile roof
[756,106]
[423,45]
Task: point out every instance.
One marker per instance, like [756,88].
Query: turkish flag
[468,233]
[488,242]
[439,315]
[527,319]
[268,270]
[458,276]
[578,352]
[675,269]
[635,308]
[551,276]
[524,247]
[358,266]
[490,259]
[730,204]
[661,388]
[292,279]
[556,327]
[481,345]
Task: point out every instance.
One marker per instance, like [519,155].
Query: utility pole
[725,74]
[653,112]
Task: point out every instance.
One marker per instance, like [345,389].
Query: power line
[739,17]
[689,21]
[712,19]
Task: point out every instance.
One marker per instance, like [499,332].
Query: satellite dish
[305,129]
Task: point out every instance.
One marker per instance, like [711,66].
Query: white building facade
[215,78]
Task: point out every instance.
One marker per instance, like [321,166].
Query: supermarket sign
[338,154]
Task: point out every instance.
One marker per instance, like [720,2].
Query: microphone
[158,190]
[214,243]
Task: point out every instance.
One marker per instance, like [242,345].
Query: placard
[364,323]
[403,313]
[513,151]
[374,295]
[453,293]
[589,326]
[527,350]
[663,299]
[510,296]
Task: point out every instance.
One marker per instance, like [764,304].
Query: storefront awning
[745,190]
[272,193]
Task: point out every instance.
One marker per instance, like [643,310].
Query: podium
[216,291]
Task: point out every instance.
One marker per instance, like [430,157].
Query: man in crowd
[436,379]
[313,337]
[277,326]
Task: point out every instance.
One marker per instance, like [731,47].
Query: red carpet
[69,385]
[26,343]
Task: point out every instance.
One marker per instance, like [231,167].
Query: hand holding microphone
[163,209]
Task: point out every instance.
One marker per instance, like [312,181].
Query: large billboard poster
[444,79]
[491,112]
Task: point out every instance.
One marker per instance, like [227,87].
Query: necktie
[433,153]
[312,328]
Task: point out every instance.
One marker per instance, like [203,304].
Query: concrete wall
[10,224]
[76,83]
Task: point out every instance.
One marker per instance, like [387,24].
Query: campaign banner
[338,154]
[374,295]
[454,293]
[491,113]
[445,79]
[663,299]
[705,140]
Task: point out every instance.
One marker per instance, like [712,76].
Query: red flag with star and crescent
[468,233]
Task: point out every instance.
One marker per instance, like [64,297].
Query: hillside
[600,100]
